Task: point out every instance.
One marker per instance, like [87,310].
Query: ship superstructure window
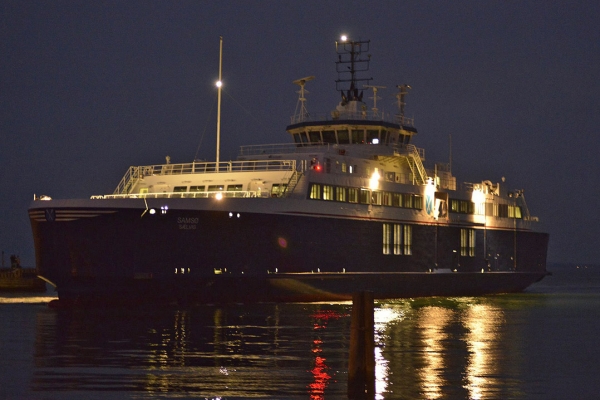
[315,191]
[234,188]
[407,239]
[358,136]
[197,188]
[386,238]
[180,189]
[376,198]
[353,195]
[462,206]
[371,135]
[363,196]
[343,137]
[340,194]
[278,189]
[215,188]
[387,199]
[327,192]
[397,239]
[315,137]
[329,137]
[467,242]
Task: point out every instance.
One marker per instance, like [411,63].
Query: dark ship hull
[212,256]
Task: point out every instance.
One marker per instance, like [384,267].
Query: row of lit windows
[276,189]
[209,188]
[343,136]
[397,239]
[491,209]
[364,196]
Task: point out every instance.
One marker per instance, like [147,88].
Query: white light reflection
[433,323]
[482,322]
[383,318]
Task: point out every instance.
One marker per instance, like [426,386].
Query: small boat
[347,204]
[19,279]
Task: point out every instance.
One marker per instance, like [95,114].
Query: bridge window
[329,137]
[315,137]
[358,136]
[372,135]
[343,137]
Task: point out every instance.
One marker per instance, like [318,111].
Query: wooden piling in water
[361,363]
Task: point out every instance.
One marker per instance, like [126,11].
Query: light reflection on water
[431,349]
[437,348]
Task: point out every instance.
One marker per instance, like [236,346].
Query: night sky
[89,88]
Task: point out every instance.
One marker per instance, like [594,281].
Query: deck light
[374,181]
[344,38]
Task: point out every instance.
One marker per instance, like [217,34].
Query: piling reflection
[428,348]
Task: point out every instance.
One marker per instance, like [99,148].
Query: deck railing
[133,174]
[184,195]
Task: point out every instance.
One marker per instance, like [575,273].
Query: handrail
[414,154]
[135,173]
[185,195]
[283,148]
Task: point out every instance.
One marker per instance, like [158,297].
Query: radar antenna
[375,98]
[301,112]
[350,61]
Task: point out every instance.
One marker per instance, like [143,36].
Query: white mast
[219,84]
[375,88]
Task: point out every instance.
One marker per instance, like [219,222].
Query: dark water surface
[542,344]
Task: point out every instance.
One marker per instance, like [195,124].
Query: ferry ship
[348,204]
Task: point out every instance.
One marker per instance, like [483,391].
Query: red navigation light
[318,167]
